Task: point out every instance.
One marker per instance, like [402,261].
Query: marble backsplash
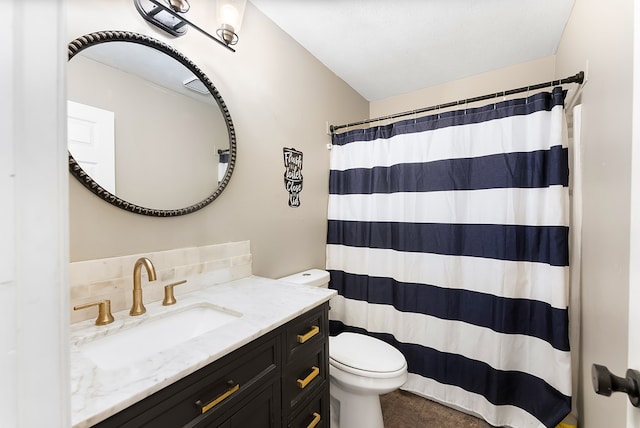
[112,278]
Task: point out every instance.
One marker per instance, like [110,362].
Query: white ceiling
[383,48]
[150,65]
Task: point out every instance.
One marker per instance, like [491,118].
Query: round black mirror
[148,130]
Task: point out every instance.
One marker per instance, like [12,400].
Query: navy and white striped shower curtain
[448,238]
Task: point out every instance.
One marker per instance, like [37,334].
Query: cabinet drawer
[303,378]
[213,388]
[305,332]
[260,409]
[231,384]
[314,414]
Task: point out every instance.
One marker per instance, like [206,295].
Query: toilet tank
[313,277]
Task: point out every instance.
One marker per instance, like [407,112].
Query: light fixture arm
[177,29]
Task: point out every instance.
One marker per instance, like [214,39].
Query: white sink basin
[127,346]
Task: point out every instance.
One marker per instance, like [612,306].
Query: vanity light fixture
[229,16]
[170,16]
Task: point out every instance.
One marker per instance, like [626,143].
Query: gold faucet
[104,311]
[169,298]
[138,308]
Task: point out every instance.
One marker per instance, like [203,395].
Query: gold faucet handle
[169,298]
[104,311]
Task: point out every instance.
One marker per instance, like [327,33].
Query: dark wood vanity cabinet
[278,380]
[305,375]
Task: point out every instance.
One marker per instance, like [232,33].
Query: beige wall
[602,34]
[515,76]
[279,96]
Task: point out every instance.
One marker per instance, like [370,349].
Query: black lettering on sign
[293,175]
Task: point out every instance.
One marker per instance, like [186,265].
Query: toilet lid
[365,353]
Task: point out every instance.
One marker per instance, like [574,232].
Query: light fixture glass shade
[229,13]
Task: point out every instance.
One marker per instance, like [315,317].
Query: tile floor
[401,409]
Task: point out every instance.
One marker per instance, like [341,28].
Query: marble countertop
[265,304]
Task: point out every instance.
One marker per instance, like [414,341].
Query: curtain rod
[577,78]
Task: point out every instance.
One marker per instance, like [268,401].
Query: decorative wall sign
[293,175]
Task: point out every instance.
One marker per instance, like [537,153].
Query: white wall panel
[33,220]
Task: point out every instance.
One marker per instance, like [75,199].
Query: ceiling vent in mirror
[196,85]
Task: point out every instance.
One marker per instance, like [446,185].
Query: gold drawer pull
[304,382]
[315,421]
[206,407]
[304,337]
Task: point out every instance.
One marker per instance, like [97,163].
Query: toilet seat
[365,356]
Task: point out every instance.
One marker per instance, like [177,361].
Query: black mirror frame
[93,39]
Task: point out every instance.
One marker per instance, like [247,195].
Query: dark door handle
[605,382]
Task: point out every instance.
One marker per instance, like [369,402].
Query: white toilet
[360,369]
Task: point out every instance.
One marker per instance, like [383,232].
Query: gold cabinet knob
[104,311]
[169,298]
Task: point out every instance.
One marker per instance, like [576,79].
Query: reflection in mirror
[144,127]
